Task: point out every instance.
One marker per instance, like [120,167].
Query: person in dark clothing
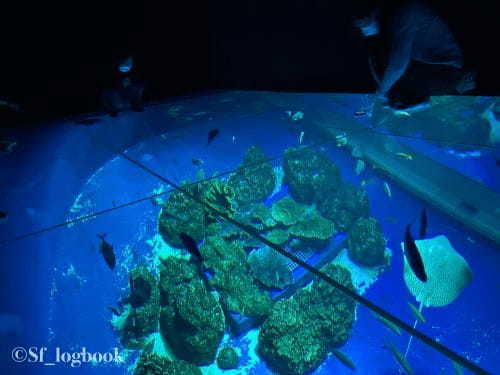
[416,35]
[124,91]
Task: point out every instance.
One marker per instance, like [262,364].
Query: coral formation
[270,268]
[220,196]
[287,211]
[301,330]
[366,244]
[345,206]
[191,319]
[232,278]
[140,317]
[310,175]
[153,364]
[313,229]
[278,236]
[227,358]
[254,180]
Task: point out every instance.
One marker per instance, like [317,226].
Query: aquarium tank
[236,233]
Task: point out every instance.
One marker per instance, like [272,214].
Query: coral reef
[254,180]
[181,214]
[288,212]
[191,319]
[140,317]
[227,358]
[301,330]
[220,196]
[310,175]
[345,206]
[313,230]
[366,244]
[232,277]
[152,364]
[277,236]
[270,268]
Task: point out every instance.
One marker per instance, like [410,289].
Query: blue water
[70,310]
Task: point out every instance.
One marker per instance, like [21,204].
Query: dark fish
[344,359]
[7,146]
[423,223]
[191,246]
[3,216]
[107,251]
[413,256]
[114,310]
[197,162]
[360,113]
[87,121]
[211,135]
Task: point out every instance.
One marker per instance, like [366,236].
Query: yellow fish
[404,155]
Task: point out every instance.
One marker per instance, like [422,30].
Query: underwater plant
[366,244]
[254,180]
[301,330]
[270,268]
[310,175]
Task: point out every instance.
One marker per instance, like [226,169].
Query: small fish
[417,313]
[211,135]
[107,251]
[360,166]
[457,369]
[360,113]
[301,137]
[387,189]
[114,311]
[400,113]
[413,256]
[197,162]
[147,157]
[404,155]
[387,323]
[344,359]
[7,147]
[3,216]
[423,223]
[399,358]
[88,121]
[297,116]
[234,139]
[191,246]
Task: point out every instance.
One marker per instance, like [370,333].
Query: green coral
[310,174]
[261,215]
[232,277]
[220,196]
[345,206]
[142,311]
[254,180]
[191,319]
[313,230]
[366,244]
[181,214]
[287,211]
[270,268]
[296,338]
[227,358]
[278,236]
[153,364]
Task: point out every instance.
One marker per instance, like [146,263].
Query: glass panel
[188,193]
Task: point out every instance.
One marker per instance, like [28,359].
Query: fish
[417,313]
[107,251]
[211,135]
[344,359]
[360,113]
[387,323]
[360,166]
[7,147]
[3,216]
[387,189]
[297,116]
[114,310]
[457,369]
[197,162]
[413,256]
[234,139]
[400,113]
[301,137]
[399,358]
[423,223]
[404,155]
[88,121]
[191,246]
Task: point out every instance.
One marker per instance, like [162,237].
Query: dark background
[55,58]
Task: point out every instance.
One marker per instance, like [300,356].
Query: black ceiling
[54,58]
